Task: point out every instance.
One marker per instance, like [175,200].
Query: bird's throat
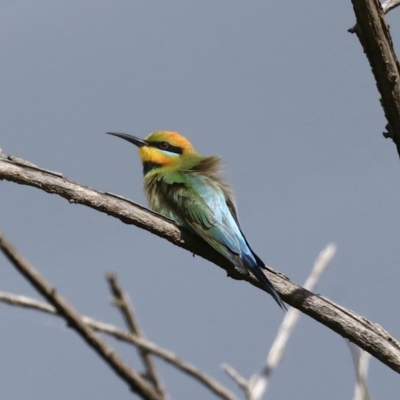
[149,165]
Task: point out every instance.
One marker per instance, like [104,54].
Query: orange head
[160,149]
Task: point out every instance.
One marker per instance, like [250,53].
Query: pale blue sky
[285,95]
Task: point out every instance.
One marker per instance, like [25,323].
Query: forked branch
[74,320]
[210,383]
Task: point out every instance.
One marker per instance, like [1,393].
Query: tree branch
[242,382]
[166,355]
[389,5]
[74,320]
[370,337]
[124,305]
[374,35]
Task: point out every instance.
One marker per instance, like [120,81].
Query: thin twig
[74,320]
[242,382]
[126,308]
[370,337]
[360,361]
[166,355]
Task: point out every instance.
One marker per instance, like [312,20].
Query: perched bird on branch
[186,187]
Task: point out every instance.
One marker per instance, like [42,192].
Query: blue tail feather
[255,265]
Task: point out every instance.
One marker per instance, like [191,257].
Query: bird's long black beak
[133,139]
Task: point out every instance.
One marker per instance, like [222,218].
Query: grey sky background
[285,95]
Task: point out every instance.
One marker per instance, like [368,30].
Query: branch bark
[374,35]
[370,337]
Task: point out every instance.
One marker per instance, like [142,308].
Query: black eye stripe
[167,147]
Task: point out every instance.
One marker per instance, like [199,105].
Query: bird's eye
[164,145]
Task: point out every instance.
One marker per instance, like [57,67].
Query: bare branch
[374,35]
[360,360]
[236,377]
[123,303]
[166,355]
[389,5]
[74,320]
[27,302]
[370,337]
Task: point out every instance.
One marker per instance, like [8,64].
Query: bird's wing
[232,208]
[260,263]
[202,205]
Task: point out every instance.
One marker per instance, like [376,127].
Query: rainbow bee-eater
[186,187]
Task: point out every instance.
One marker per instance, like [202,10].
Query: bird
[187,188]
